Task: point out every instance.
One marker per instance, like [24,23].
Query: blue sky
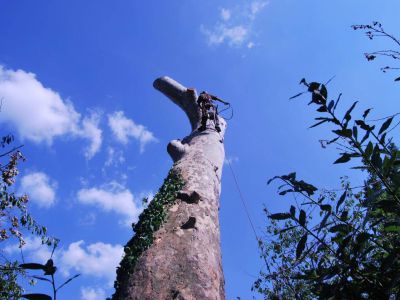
[76,82]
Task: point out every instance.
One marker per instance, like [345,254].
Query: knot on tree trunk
[176,149]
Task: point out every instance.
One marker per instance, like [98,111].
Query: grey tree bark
[184,262]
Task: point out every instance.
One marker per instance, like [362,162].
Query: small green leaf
[347,116]
[366,136]
[355,132]
[324,91]
[292,211]
[385,125]
[295,96]
[324,220]
[343,159]
[303,81]
[330,105]
[376,157]
[366,112]
[326,207]
[41,278]
[36,297]
[301,246]
[339,228]
[302,218]
[319,123]
[344,215]
[392,227]
[272,179]
[32,266]
[68,281]
[344,132]
[313,86]
[368,150]
[280,216]
[285,192]
[364,126]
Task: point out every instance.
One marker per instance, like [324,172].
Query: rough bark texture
[184,261]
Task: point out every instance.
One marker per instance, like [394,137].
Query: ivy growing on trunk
[150,220]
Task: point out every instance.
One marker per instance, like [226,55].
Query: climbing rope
[243,201]
[228,106]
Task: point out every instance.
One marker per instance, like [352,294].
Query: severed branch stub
[182,263]
[183,97]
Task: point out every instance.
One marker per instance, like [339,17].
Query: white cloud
[231,160]
[39,188]
[90,293]
[114,157]
[90,130]
[112,198]
[88,220]
[98,259]
[256,7]
[234,36]
[39,114]
[235,26]
[36,251]
[124,128]
[225,14]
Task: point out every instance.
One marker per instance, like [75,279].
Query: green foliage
[15,220]
[9,287]
[376,30]
[341,244]
[150,220]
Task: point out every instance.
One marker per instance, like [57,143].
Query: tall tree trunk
[184,259]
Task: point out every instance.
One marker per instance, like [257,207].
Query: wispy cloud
[90,130]
[231,160]
[39,114]
[235,25]
[90,293]
[40,189]
[124,128]
[115,157]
